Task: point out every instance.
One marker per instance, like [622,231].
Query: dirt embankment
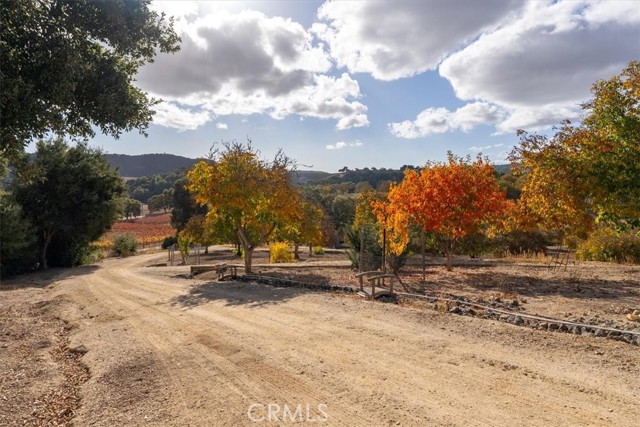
[162,349]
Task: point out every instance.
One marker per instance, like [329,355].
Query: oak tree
[68,67]
[72,196]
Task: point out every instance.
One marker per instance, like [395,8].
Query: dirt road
[167,350]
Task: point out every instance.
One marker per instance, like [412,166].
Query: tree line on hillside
[149,164]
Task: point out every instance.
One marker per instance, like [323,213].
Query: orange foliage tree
[451,200]
[393,228]
[246,194]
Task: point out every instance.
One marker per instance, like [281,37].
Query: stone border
[462,307]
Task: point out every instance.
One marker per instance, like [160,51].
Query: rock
[517,320]
[628,338]
[455,310]
[81,349]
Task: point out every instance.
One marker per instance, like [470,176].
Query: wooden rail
[376,278]
[222,270]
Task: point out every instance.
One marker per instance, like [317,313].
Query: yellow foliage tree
[245,193]
[306,230]
[589,172]
[199,232]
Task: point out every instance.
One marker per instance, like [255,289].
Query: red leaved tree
[451,200]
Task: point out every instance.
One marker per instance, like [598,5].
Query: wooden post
[361,252]
[384,250]
[424,260]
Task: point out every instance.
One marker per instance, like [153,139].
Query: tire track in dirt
[255,380]
[372,364]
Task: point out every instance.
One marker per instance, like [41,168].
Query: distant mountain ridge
[156,164]
[148,164]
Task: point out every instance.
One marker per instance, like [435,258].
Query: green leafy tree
[199,232]
[306,230]
[17,240]
[343,210]
[132,208]
[68,67]
[156,203]
[72,196]
[184,205]
[167,199]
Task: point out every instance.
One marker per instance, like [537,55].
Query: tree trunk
[310,249]
[361,260]
[248,247]
[43,255]
[384,252]
[449,252]
[296,255]
[248,254]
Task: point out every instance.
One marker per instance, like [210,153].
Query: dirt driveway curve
[167,350]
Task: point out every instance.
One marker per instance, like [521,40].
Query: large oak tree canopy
[69,65]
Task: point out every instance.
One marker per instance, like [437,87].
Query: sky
[377,84]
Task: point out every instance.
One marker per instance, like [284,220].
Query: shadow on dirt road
[236,294]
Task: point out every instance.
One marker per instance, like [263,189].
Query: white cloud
[402,38]
[540,66]
[222,126]
[170,115]
[477,149]
[440,120]
[342,144]
[247,63]
[337,146]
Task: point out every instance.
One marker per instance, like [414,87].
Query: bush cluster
[124,244]
[280,252]
[169,241]
[521,242]
[605,244]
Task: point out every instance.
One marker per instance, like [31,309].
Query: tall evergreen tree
[72,196]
